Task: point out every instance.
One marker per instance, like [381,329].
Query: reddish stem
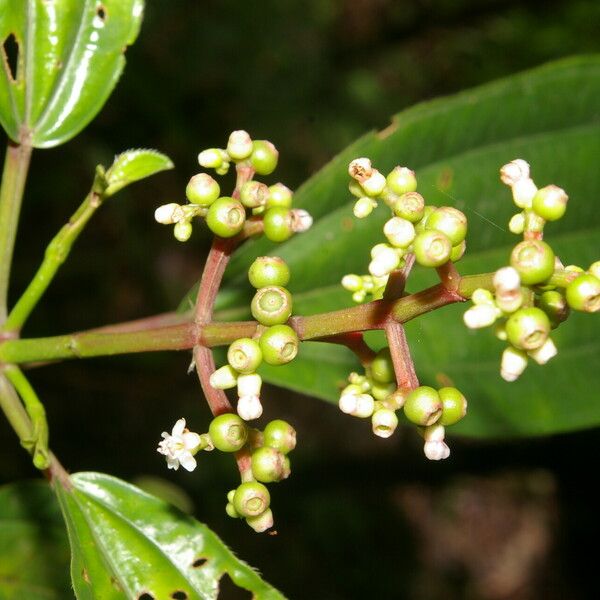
[354,341]
[400,353]
[397,280]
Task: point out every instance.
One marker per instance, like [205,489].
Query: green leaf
[70,57]
[548,116]
[134,165]
[125,542]
[34,550]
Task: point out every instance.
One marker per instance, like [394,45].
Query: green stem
[37,440]
[56,253]
[14,410]
[14,175]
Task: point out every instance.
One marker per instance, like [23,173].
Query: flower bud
[249,407]
[363,207]
[212,158]
[280,195]
[352,283]
[507,280]
[523,192]
[360,169]
[399,232]
[224,378]
[301,220]
[550,202]
[514,171]
[262,522]
[202,189]
[385,261]
[267,271]
[480,315]
[239,145]
[384,422]
[167,214]
[514,362]
[254,194]
[534,260]
[595,269]
[516,224]
[528,328]
[435,448]
[402,180]
[544,353]
[458,251]
[382,367]
[249,385]
[374,184]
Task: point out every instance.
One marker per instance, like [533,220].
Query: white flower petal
[188,462]
[178,427]
[191,440]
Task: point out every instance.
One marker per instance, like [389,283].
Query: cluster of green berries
[525,304]
[276,343]
[435,235]
[226,215]
[375,395]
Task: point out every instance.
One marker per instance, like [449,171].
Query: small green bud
[363,207]
[251,499]
[280,435]
[228,432]
[409,206]
[278,224]
[182,231]
[239,145]
[382,367]
[226,217]
[516,224]
[449,221]
[420,225]
[583,293]
[262,522]
[402,180]
[423,406]
[555,305]
[202,189]
[280,195]
[550,202]
[213,158]
[454,406]
[595,269]
[224,378]
[352,283]
[458,251]
[534,260]
[399,232]
[268,465]
[271,305]
[230,510]
[528,328]
[384,422]
[279,345]
[432,248]
[380,391]
[264,157]
[244,355]
[268,270]
[254,194]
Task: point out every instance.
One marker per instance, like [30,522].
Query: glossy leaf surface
[34,550]
[456,145]
[134,165]
[126,543]
[69,56]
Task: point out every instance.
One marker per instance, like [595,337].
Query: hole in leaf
[229,591]
[10,50]
[199,562]
[145,596]
[101,12]
[179,595]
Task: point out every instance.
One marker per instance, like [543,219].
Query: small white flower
[179,446]
[249,407]
[480,315]
[384,422]
[514,171]
[239,145]
[514,362]
[436,450]
[360,169]
[544,353]
[301,220]
[523,192]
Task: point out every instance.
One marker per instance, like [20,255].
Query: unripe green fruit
[268,465]
[228,432]
[583,293]
[251,499]
[454,406]
[182,231]
[279,195]
[450,221]
[427,211]
[534,260]
[555,305]
[280,435]
[279,345]
[264,157]
[202,189]
[268,270]
[550,203]
[528,328]
[409,206]
[401,180]
[244,355]
[595,269]
[380,391]
[382,367]
[254,194]
[277,223]
[423,406]
[226,217]
[271,305]
[432,248]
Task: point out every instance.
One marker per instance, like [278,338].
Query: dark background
[360,517]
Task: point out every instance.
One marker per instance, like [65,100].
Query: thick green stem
[14,175]
[14,410]
[56,253]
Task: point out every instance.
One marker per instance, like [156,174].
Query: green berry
[212,158]
[423,406]
[251,499]
[244,355]
[278,224]
[528,328]
[182,231]
[271,305]
[239,145]
[254,194]
[279,345]
[432,248]
[262,522]
[450,221]
[401,180]
[279,195]
[268,270]
[409,206]
[583,293]
[595,269]
[280,435]
[534,260]
[268,465]
[555,305]
[454,406]
[202,189]
[380,391]
[228,432]
[382,367]
[264,157]
[226,217]
[550,203]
